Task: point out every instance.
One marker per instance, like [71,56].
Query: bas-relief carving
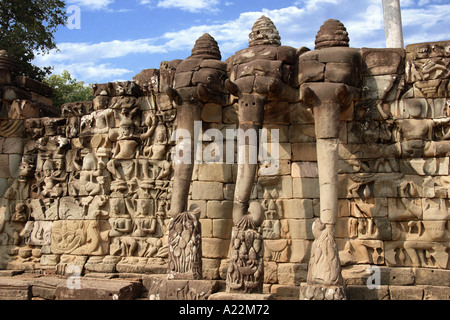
[185,246]
[99,181]
[427,67]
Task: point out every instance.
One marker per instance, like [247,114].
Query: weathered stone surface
[283,292]
[382,61]
[13,289]
[215,172]
[219,209]
[406,293]
[96,289]
[45,288]
[159,288]
[207,190]
[215,248]
[292,274]
[436,293]
[355,292]
[363,145]
[305,188]
[360,274]
[241,296]
[432,277]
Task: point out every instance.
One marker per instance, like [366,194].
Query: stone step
[160,288]
[241,296]
[12,289]
[98,289]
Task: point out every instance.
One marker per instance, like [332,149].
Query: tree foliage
[27,28]
[67,89]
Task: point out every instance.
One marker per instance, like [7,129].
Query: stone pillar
[324,279]
[196,81]
[246,269]
[393,24]
[328,96]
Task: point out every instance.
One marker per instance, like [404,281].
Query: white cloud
[425,17]
[193,6]
[297,26]
[92,4]
[101,50]
[90,72]
[88,61]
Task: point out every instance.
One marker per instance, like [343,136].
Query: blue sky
[119,38]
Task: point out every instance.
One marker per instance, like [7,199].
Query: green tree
[67,89]
[27,28]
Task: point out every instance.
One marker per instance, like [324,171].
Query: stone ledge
[14,289]
[241,296]
[161,288]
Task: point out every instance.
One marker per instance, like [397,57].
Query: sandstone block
[215,172]
[282,132]
[160,288]
[45,288]
[300,113]
[302,133]
[300,251]
[380,87]
[342,73]
[207,228]
[277,112]
[311,71]
[292,274]
[304,170]
[382,61]
[301,228]
[406,293]
[201,204]
[270,272]
[100,289]
[283,292]
[305,187]
[433,277]
[355,292]
[297,209]
[13,145]
[436,293]
[304,151]
[14,289]
[210,269]
[219,209]
[241,296]
[222,228]
[215,248]
[282,184]
[211,113]
[207,190]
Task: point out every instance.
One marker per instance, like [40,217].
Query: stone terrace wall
[100,189]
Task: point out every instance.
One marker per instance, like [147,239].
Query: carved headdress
[332,34]
[206,47]
[264,32]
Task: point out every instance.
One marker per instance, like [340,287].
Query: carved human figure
[123,165]
[416,134]
[52,181]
